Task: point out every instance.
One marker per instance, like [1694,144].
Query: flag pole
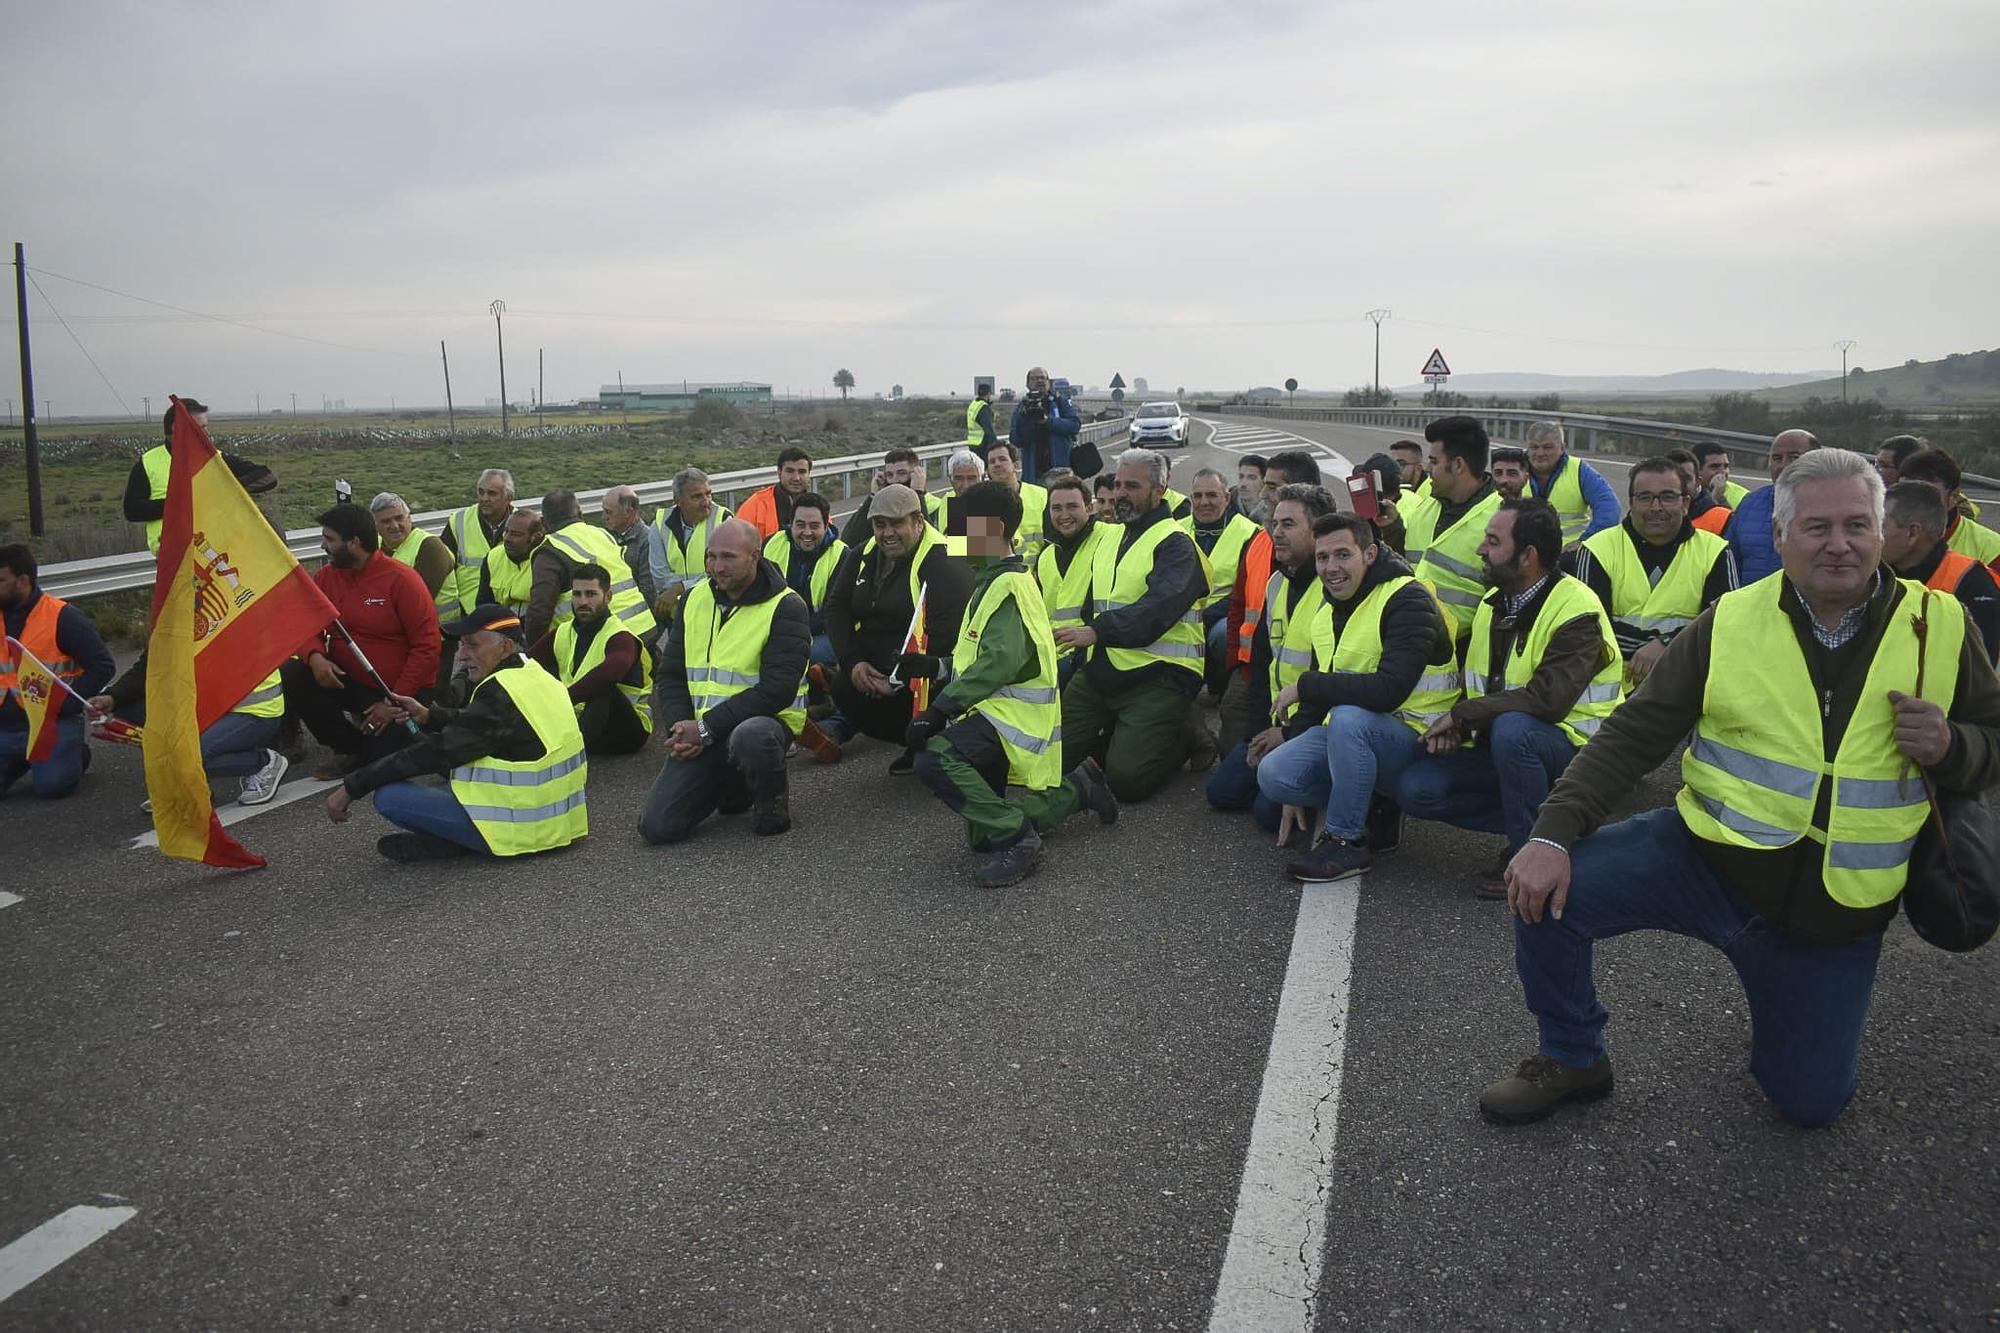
[369,667]
[916,617]
[68,688]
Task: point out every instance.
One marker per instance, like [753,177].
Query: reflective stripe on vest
[1566,495]
[1120,580]
[585,544]
[974,436]
[529,805]
[38,636]
[1419,511]
[778,551]
[1754,770]
[724,657]
[267,700]
[637,686]
[689,559]
[1026,715]
[1451,564]
[159,465]
[1289,624]
[470,537]
[1359,651]
[1030,537]
[1644,607]
[510,583]
[1066,592]
[1225,557]
[1569,599]
[446,597]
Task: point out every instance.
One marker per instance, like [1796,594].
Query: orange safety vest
[761,509]
[1950,570]
[1713,519]
[1255,571]
[38,636]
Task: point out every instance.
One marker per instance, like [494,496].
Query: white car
[1159,423]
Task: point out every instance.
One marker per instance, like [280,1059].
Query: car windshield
[1153,411]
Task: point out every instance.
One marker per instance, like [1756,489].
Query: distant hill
[1680,381]
[1963,378]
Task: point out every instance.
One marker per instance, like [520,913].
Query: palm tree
[843,380]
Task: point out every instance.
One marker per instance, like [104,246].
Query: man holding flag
[51,660]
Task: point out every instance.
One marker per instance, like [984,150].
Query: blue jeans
[431,810]
[1232,786]
[1496,788]
[1808,1002]
[1339,767]
[821,652]
[234,746]
[58,775]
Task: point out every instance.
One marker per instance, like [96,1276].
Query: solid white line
[234,813]
[9,899]
[55,1240]
[1270,1274]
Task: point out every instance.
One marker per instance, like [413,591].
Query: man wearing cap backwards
[732,691]
[995,724]
[514,755]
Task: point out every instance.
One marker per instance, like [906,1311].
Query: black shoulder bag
[1952,895]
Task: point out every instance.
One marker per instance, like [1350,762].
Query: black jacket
[868,607]
[1413,638]
[779,669]
[1175,584]
[489,726]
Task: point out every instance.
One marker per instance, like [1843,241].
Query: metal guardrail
[835,478]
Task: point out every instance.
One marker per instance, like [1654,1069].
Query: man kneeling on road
[1542,672]
[607,671]
[513,753]
[732,684]
[1002,695]
[1384,671]
[1830,666]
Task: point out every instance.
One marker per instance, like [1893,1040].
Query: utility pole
[499,308]
[29,438]
[624,409]
[541,391]
[1845,345]
[1376,317]
[260,405]
[147,404]
[295,407]
[450,412]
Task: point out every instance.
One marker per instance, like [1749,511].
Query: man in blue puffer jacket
[1749,531]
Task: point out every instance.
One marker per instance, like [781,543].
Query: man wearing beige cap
[869,609]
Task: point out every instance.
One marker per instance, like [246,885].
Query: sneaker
[903,764]
[413,847]
[1329,862]
[146,806]
[772,814]
[1012,863]
[824,747]
[1096,792]
[1383,831]
[262,785]
[1540,1085]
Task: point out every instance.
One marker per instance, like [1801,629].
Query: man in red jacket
[387,608]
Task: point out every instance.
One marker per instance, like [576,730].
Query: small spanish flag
[41,699]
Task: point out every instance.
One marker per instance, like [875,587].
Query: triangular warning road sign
[1436,365]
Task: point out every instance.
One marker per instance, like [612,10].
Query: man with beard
[1237,716]
[508,574]
[607,671]
[1221,529]
[62,639]
[1443,537]
[638,541]
[1064,567]
[1104,498]
[1510,470]
[808,555]
[770,510]
[1250,483]
[899,468]
[1542,672]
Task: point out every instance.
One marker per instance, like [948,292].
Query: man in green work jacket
[995,716]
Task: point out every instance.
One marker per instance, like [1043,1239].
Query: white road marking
[234,813]
[9,899]
[1270,1274]
[61,1237]
[1240,439]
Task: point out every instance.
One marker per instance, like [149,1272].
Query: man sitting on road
[513,754]
[1221,530]
[808,554]
[994,724]
[1583,499]
[1127,705]
[404,542]
[508,575]
[1280,650]
[1913,545]
[732,684]
[1938,469]
[946,512]
[639,542]
[473,531]
[1449,536]
[770,510]
[1759,855]
[1656,571]
[62,639]
[1384,670]
[1235,714]
[1003,464]
[869,610]
[1064,567]
[1542,672]
[899,468]
[1713,459]
[603,665]
[1510,470]
[685,530]
[240,744]
[578,543]
[1749,530]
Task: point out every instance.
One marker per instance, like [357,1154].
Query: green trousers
[966,768]
[1139,733]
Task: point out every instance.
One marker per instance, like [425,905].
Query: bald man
[1749,531]
[732,693]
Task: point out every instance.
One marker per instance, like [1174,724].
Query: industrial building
[682,395]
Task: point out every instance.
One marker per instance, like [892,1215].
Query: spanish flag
[229,604]
[41,699]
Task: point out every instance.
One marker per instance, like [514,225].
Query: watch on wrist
[701,730]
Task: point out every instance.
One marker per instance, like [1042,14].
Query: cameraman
[1043,429]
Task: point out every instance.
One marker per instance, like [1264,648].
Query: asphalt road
[820,1081]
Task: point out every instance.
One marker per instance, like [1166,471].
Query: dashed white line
[236,814]
[1270,1273]
[61,1237]
[9,899]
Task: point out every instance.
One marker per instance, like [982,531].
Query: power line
[79,344]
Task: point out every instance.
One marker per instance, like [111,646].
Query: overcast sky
[1203,194]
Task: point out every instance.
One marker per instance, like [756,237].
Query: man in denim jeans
[1821,668]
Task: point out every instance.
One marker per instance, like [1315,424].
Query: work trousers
[1495,787]
[610,725]
[725,777]
[886,719]
[58,775]
[1808,1002]
[1233,787]
[420,808]
[234,746]
[1138,733]
[965,766]
[324,713]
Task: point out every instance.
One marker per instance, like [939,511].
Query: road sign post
[1436,372]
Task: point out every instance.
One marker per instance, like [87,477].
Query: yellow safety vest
[1066,592]
[587,545]
[723,658]
[1733,493]
[1359,650]
[1450,562]
[1175,501]
[1755,766]
[638,693]
[1290,625]
[1419,512]
[529,805]
[1120,580]
[267,700]
[1975,540]
[689,560]
[1026,715]
[470,536]
[1642,607]
[159,465]
[974,436]
[1567,600]
[1224,556]
[1566,497]
[447,593]
[1030,537]
[509,582]
[778,551]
